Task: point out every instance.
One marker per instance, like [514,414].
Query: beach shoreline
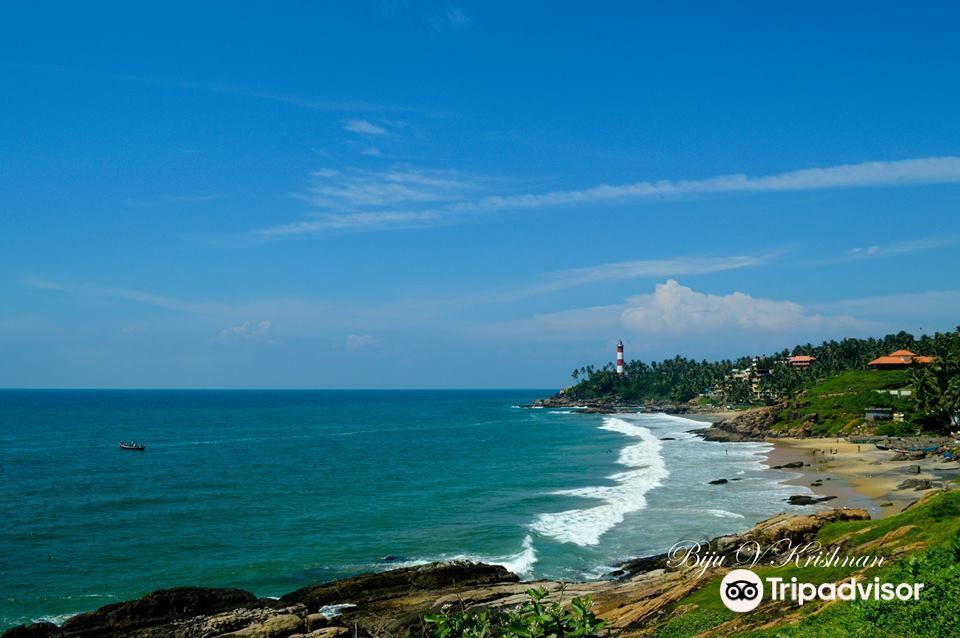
[856,475]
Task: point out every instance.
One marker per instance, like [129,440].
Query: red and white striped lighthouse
[619,356]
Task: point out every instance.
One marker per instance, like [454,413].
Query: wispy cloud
[397,197]
[41,283]
[929,170]
[300,101]
[363,127]
[457,18]
[899,248]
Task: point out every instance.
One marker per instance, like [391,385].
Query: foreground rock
[392,603]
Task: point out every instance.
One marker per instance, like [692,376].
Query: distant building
[801,361]
[899,359]
[879,414]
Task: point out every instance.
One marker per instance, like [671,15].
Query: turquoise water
[269,491]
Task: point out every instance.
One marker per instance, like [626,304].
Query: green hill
[836,405]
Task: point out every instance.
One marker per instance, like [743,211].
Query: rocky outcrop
[804,499]
[33,630]
[372,587]
[916,485]
[613,405]
[162,607]
[751,425]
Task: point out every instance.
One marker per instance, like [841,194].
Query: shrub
[533,619]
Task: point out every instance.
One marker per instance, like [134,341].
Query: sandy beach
[858,475]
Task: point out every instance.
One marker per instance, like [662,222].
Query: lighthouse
[620,357]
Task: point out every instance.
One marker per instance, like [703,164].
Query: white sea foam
[58,619]
[332,611]
[723,514]
[584,527]
[520,563]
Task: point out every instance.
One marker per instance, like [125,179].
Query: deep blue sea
[272,490]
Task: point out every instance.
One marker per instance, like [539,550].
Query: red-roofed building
[899,359]
[903,353]
[801,361]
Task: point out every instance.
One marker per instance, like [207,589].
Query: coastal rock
[639,566]
[278,626]
[751,425]
[717,482]
[33,630]
[803,499]
[232,621]
[798,529]
[801,529]
[316,621]
[159,608]
[370,587]
[790,465]
[915,484]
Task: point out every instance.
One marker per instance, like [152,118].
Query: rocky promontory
[614,405]
[749,425]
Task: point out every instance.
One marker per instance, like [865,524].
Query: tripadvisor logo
[741,590]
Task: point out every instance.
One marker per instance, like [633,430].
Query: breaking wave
[646,471]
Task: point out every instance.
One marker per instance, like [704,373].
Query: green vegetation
[836,404]
[938,391]
[534,619]
[933,525]
[836,388]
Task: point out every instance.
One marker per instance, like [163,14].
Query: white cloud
[928,170]
[677,311]
[259,330]
[361,341]
[363,127]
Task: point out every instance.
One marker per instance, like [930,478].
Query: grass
[837,404]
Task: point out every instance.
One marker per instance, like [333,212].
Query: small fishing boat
[139,447]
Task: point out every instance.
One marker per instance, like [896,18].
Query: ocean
[272,490]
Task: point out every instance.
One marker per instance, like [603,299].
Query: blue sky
[465,195]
